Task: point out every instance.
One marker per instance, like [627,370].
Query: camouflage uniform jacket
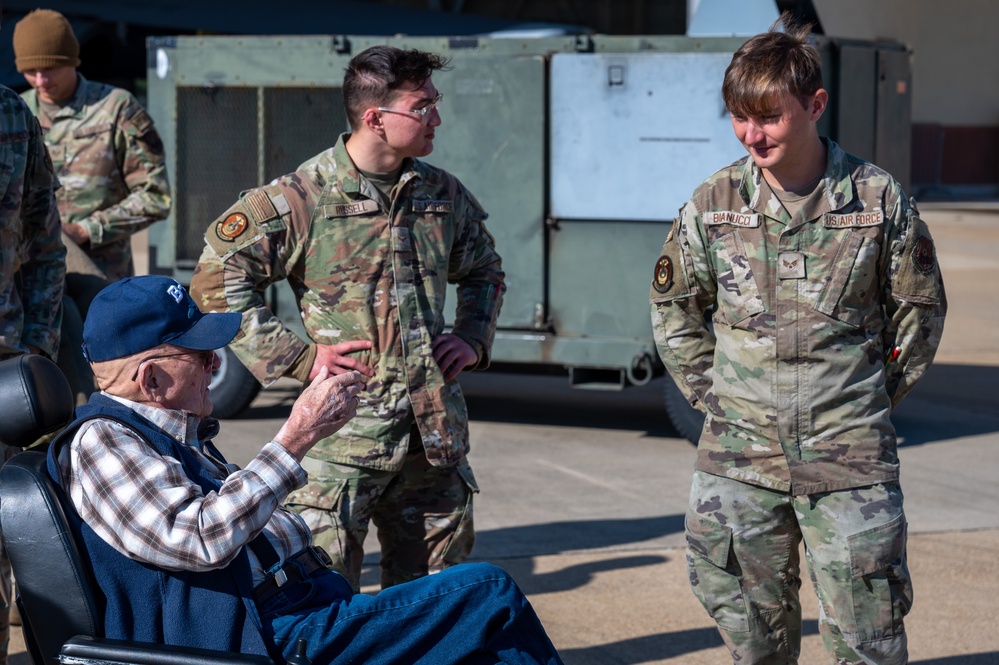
[110,162]
[361,272]
[784,331]
[31,249]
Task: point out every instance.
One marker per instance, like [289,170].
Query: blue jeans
[470,614]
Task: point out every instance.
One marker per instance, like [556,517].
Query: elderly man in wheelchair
[134,541]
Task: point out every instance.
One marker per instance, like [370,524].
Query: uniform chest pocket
[738,292]
[89,151]
[431,240]
[349,252]
[92,130]
[851,289]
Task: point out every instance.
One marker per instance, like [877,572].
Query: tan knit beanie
[44,39]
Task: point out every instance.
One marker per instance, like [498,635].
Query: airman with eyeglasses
[372,236]
[423,113]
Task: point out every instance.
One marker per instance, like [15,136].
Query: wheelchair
[60,603]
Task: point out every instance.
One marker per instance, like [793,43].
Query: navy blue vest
[209,610]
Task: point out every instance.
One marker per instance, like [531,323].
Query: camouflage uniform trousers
[743,561]
[423,514]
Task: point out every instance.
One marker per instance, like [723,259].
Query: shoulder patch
[260,206]
[231,226]
[233,231]
[141,121]
[923,256]
[669,281]
[915,271]
[662,277]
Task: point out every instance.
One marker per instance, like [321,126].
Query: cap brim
[212,331]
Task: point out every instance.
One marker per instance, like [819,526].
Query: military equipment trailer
[581,148]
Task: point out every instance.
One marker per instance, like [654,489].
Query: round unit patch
[662,279]
[922,255]
[231,227]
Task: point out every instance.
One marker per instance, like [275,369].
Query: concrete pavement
[583,493]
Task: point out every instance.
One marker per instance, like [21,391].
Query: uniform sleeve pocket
[670,279]
[916,276]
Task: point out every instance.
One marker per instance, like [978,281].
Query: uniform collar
[352,182]
[834,192]
[75,105]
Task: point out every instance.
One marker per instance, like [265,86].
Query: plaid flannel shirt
[145,506]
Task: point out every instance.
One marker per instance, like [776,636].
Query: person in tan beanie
[110,162]
[103,145]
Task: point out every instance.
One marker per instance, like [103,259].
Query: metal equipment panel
[492,137]
[855,100]
[600,280]
[209,180]
[894,123]
[319,119]
[633,134]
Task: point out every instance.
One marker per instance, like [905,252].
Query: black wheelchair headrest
[35,399]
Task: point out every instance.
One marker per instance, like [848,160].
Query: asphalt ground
[583,493]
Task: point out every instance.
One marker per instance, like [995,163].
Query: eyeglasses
[422,113]
[207,359]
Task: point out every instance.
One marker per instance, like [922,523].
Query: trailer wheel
[232,386]
[687,420]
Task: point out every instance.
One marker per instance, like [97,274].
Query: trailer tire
[232,387]
[686,420]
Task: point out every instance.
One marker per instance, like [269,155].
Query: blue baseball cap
[136,314]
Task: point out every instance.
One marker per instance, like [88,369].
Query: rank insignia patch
[662,279]
[231,227]
[922,255]
[790,265]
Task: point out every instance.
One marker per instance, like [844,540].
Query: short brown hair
[772,65]
[374,75]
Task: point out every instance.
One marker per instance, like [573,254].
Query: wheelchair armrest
[86,650]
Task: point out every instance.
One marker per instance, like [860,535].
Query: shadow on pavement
[950,402]
[652,648]
[549,400]
[559,537]
[573,577]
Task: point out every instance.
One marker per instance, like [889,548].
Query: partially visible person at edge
[33,259]
[369,236]
[796,302]
[110,163]
[192,551]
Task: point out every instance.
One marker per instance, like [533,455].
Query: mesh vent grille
[217,148]
[298,124]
